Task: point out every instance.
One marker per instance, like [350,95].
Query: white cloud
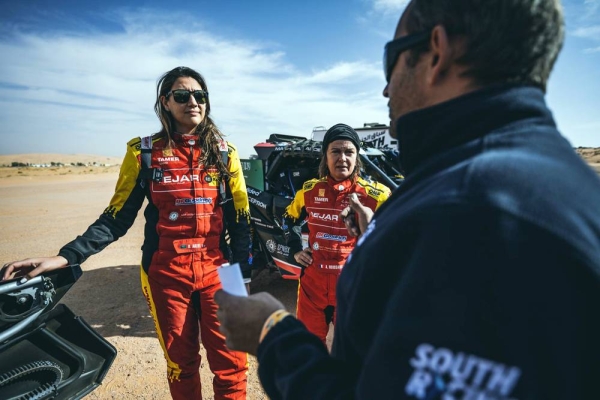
[389,7]
[591,7]
[583,22]
[588,32]
[345,72]
[91,92]
[381,17]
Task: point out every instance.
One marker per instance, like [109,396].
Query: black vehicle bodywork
[46,351]
[284,163]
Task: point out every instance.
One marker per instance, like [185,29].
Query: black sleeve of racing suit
[292,230]
[293,218]
[104,231]
[116,219]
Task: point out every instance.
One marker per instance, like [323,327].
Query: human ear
[441,55]
[163,101]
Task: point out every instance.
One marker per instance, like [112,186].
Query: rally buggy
[47,352]
[282,165]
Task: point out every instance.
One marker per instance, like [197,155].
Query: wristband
[273,320]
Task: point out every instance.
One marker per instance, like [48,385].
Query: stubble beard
[408,99]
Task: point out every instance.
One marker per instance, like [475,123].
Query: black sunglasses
[395,47]
[183,95]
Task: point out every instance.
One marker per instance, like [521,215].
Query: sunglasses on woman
[183,96]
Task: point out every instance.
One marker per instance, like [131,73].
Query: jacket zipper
[193,188]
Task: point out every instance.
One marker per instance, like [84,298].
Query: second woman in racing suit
[195,188]
[321,201]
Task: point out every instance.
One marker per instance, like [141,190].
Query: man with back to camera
[480,277]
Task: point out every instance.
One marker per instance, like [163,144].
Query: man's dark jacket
[480,276]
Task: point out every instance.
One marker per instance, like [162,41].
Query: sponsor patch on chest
[328,236]
[184,178]
[196,200]
[165,160]
[325,216]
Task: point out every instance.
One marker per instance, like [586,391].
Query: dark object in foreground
[47,352]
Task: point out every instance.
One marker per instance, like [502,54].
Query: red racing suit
[321,201]
[183,246]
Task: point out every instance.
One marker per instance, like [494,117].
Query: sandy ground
[43,208]
[591,155]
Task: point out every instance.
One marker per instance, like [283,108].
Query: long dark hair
[209,135]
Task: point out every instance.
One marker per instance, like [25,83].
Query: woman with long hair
[193,181]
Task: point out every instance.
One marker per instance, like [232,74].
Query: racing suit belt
[191,245]
[330,267]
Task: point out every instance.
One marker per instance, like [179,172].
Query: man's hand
[31,267]
[356,216]
[304,257]
[242,318]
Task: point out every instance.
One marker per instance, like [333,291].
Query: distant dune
[92,164]
[47,158]
[590,154]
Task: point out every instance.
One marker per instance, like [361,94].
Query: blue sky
[80,77]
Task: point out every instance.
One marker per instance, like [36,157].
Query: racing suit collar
[185,139]
[432,130]
[340,186]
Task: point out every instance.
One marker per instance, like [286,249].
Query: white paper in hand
[231,279]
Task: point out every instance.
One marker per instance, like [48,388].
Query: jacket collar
[185,139]
[340,186]
[432,130]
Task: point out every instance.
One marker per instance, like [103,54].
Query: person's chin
[392,129]
[341,177]
[195,121]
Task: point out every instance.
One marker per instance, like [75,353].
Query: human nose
[192,99]
[386,94]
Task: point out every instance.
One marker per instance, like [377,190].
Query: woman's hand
[32,267]
[304,257]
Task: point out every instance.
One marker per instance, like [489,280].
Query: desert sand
[43,208]
[591,155]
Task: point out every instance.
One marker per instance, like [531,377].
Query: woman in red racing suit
[321,201]
[195,188]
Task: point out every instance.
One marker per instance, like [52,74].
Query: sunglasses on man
[395,47]
[183,96]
